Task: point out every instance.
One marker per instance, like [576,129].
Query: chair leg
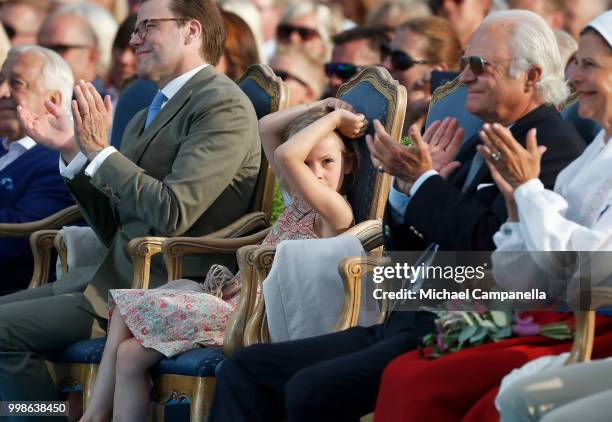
[90,373]
[202,399]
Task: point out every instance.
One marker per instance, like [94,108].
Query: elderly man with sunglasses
[443,193]
[188,166]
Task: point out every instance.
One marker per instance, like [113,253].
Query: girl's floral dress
[184,314]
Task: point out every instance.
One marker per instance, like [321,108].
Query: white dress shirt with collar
[75,166]
[15,150]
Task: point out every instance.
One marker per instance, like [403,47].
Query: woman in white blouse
[577,216]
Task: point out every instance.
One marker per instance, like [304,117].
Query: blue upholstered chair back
[137,96]
[268,94]
[265,90]
[378,96]
[448,100]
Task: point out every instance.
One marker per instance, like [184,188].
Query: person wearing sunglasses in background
[309,26]
[419,47]
[353,50]
[303,74]
[22,19]
[73,38]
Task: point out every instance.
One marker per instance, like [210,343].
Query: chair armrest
[236,326]
[247,224]
[54,221]
[369,233]
[257,326]
[585,326]
[41,243]
[62,251]
[141,249]
[352,269]
[174,249]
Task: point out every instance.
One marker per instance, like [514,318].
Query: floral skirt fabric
[174,320]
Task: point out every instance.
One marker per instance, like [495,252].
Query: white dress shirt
[15,150]
[75,166]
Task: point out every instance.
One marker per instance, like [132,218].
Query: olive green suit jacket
[191,172]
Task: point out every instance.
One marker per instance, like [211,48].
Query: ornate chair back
[448,100]
[269,94]
[377,95]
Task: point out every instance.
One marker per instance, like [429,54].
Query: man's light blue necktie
[155,107]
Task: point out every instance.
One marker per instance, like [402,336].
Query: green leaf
[488,324]
[467,332]
[500,318]
[406,141]
[481,332]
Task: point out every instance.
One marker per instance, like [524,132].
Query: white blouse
[576,216]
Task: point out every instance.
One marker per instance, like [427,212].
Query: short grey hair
[56,73]
[534,43]
[103,25]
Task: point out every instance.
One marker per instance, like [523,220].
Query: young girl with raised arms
[315,164]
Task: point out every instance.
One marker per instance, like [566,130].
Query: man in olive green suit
[188,165]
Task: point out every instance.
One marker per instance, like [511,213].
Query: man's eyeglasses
[286,75]
[343,71]
[142,29]
[400,60]
[284,31]
[62,48]
[477,64]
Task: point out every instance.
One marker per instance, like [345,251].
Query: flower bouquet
[456,330]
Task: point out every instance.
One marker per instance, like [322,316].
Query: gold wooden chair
[375,94]
[178,378]
[41,234]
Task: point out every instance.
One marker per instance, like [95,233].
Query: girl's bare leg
[132,395]
[100,407]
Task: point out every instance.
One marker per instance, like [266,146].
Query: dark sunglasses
[477,64]
[342,70]
[284,31]
[286,75]
[400,60]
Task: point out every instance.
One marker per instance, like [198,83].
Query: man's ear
[194,30]
[534,75]
[56,98]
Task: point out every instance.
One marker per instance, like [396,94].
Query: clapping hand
[406,163]
[444,140]
[515,164]
[92,119]
[510,164]
[54,129]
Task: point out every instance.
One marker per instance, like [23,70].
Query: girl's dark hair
[350,148]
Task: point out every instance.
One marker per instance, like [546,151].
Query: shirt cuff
[527,189]
[398,202]
[508,237]
[74,167]
[422,178]
[95,164]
